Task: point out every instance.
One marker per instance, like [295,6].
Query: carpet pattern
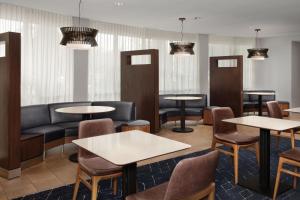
[159,172]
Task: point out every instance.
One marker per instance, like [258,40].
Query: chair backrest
[274,109]
[90,128]
[218,114]
[191,176]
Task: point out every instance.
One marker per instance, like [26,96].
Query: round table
[182,99]
[86,112]
[260,94]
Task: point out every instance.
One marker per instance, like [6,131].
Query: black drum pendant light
[257,53]
[181,47]
[79,37]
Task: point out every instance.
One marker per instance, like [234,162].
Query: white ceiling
[222,17]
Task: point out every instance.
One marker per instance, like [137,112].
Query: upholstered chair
[91,166]
[228,135]
[192,178]
[274,111]
[291,158]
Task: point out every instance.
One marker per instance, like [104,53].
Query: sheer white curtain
[46,66]
[178,74]
[227,46]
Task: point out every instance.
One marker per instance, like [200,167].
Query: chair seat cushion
[97,166]
[157,193]
[51,132]
[193,111]
[293,154]
[237,138]
[71,128]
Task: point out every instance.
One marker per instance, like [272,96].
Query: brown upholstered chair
[292,158]
[227,134]
[274,111]
[192,179]
[91,166]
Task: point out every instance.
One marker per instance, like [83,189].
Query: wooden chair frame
[91,182]
[208,192]
[235,153]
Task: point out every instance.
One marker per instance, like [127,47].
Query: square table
[265,124]
[293,110]
[128,148]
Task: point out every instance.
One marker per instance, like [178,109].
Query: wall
[276,72]
[295,74]
[203,62]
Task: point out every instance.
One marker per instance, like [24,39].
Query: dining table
[86,112]
[260,95]
[182,100]
[126,149]
[264,184]
[293,110]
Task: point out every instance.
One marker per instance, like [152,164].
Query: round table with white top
[86,112]
[182,99]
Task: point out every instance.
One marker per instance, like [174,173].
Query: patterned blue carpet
[159,172]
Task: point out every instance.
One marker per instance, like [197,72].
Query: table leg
[129,179]
[74,157]
[263,184]
[182,128]
[260,105]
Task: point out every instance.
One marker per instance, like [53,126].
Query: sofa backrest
[254,98]
[164,103]
[57,117]
[34,116]
[195,103]
[124,111]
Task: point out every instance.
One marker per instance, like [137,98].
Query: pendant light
[257,53]
[181,47]
[78,37]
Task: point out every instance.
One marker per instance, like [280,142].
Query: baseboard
[31,162]
[10,174]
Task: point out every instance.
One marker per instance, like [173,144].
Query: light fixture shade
[182,48]
[79,37]
[258,53]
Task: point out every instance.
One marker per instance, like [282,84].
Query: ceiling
[220,17]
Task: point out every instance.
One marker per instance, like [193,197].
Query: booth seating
[43,128]
[169,110]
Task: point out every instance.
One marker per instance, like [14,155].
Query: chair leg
[277,178]
[94,188]
[115,186]
[76,187]
[292,139]
[257,152]
[211,195]
[295,179]
[236,163]
[213,144]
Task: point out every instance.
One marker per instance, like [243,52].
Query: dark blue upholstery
[250,101]
[34,116]
[50,132]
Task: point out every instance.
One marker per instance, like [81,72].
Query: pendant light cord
[256,37]
[79,10]
[181,30]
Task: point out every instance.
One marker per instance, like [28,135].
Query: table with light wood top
[293,110]
[259,94]
[128,148]
[182,99]
[263,185]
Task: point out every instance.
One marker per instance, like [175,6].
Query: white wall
[295,74]
[275,73]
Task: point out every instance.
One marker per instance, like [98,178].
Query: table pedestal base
[252,183]
[183,130]
[129,179]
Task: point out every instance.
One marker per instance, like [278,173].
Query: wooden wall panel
[139,84]
[226,84]
[10,77]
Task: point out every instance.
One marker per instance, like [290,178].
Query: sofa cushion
[171,112]
[33,116]
[249,105]
[201,103]
[51,132]
[124,111]
[62,117]
[71,128]
[118,125]
[164,103]
[193,111]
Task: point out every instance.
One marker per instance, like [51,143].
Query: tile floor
[57,170]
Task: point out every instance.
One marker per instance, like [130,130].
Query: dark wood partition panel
[226,82]
[10,73]
[139,84]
